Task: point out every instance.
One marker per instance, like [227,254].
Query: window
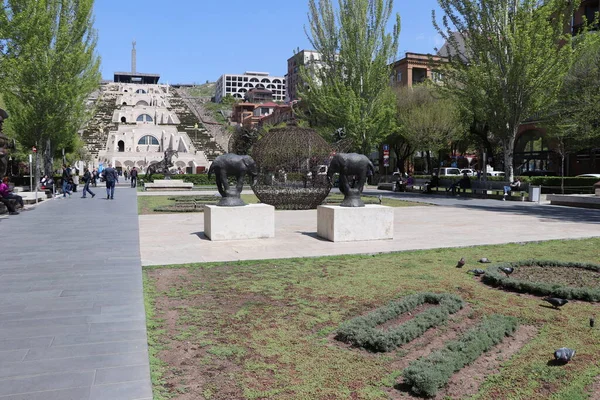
[399,76]
[141,91]
[148,140]
[144,118]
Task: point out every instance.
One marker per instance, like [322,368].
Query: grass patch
[569,280]
[278,315]
[362,331]
[427,375]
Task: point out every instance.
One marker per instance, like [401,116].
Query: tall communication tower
[133,59]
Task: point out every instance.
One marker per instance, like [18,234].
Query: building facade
[237,85]
[309,59]
[143,127]
[413,69]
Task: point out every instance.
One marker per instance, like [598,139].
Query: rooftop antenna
[133,58]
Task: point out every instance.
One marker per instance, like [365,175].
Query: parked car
[495,173]
[469,171]
[447,171]
[588,176]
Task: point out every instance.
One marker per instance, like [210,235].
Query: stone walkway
[178,239]
[72,321]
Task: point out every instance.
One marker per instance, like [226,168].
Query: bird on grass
[476,272]
[592,322]
[564,354]
[507,270]
[484,260]
[556,302]
[461,263]
[380,197]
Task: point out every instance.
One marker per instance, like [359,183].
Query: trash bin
[534,193]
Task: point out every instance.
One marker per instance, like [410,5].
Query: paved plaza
[449,222]
[72,321]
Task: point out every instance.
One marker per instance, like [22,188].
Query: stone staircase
[201,137]
[95,134]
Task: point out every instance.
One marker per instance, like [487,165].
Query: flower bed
[495,277]
[427,375]
[363,332]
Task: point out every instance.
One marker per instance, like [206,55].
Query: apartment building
[307,58]
[237,85]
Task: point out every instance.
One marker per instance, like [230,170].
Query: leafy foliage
[49,68]
[362,331]
[349,86]
[495,277]
[427,375]
[512,63]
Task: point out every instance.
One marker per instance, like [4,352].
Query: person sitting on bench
[516,185]
[434,182]
[464,183]
[6,193]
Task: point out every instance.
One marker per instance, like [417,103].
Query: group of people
[109,175]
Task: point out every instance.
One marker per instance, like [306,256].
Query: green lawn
[263,329]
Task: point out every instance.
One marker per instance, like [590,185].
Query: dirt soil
[466,382]
[576,277]
[594,389]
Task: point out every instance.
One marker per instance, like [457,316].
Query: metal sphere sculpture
[292,165]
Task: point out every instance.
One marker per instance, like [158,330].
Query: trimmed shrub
[362,331]
[493,276]
[427,375]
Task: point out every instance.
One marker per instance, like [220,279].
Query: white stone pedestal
[348,224]
[253,221]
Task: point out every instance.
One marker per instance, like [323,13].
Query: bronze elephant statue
[232,165]
[350,164]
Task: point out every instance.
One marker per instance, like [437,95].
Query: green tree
[425,121]
[49,69]
[573,122]
[513,61]
[349,86]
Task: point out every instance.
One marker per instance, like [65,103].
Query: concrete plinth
[347,224]
[254,221]
[168,185]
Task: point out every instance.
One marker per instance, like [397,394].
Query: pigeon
[380,197]
[461,263]
[592,322]
[484,260]
[507,270]
[564,354]
[556,302]
[476,272]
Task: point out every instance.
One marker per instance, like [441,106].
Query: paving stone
[67,314]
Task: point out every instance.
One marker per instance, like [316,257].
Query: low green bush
[427,375]
[362,331]
[493,276]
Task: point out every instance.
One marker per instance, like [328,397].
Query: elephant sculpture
[350,164]
[227,165]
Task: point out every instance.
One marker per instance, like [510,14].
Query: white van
[447,172]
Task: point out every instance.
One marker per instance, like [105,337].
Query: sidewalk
[72,320]
[179,238]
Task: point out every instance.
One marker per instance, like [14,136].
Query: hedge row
[196,179]
[427,375]
[493,276]
[549,181]
[362,331]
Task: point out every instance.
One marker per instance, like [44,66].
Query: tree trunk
[48,164]
[508,146]
[562,172]
[428,158]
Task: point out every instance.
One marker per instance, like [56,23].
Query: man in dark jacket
[66,178]
[111,178]
[87,179]
[134,175]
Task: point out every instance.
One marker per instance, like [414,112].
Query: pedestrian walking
[66,178]
[111,177]
[95,177]
[87,179]
[126,174]
[134,175]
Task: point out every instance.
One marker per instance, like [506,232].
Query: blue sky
[192,41]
